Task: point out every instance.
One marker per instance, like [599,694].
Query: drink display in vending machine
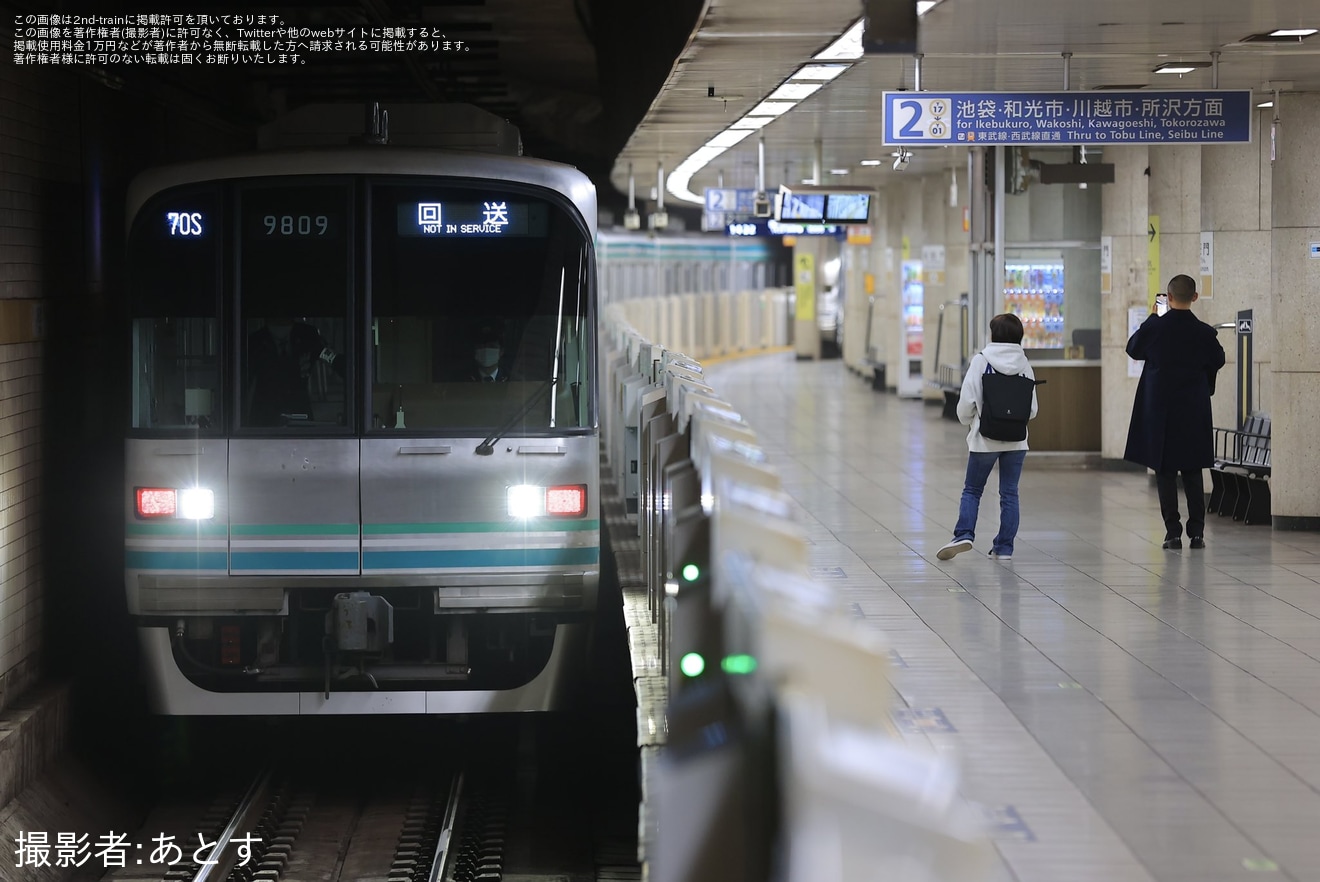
[912,319]
[1034,293]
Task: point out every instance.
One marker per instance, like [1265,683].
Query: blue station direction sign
[1218,116]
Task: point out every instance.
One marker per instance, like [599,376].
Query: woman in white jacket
[1006,356]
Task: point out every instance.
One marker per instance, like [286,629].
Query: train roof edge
[462,127]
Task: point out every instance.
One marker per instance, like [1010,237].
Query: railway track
[507,801]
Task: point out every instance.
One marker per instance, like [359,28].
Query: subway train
[362,461]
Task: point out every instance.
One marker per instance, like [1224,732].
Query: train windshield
[174,273]
[479,311]
[338,305]
[294,285]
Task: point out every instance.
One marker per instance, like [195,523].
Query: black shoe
[1173,544]
[1197,542]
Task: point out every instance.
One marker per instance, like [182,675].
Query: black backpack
[1006,404]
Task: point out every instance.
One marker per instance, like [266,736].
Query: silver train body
[338,500]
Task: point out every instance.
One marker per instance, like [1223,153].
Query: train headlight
[526,501]
[191,503]
[532,501]
[196,504]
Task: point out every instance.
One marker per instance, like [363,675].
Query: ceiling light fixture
[1284,36]
[1180,67]
[870,162]
[728,137]
[847,47]
[838,171]
[771,108]
[819,71]
[924,6]
[1265,104]
[793,91]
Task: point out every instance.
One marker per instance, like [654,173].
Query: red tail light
[155,502]
[566,501]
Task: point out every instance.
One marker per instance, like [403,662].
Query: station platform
[1122,712]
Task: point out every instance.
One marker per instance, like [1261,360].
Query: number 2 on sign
[923,119]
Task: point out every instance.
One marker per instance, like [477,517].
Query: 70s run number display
[192,224]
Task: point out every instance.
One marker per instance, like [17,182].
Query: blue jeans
[978,470]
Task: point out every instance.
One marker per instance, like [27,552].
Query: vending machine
[1034,292]
[911,321]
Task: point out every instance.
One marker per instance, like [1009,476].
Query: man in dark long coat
[1172,428]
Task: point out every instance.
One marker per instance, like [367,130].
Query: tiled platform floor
[1124,712]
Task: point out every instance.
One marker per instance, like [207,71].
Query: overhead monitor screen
[844,207]
[802,206]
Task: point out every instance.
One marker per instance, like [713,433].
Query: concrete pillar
[863,263]
[934,254]
[886,333]
[1124,218]
[1175,198]
[942,228]
[957,266]
[912,225]
[1235,212]
[807,290]
[1295,279]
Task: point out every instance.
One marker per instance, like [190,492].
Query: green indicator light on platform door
[1262,864]
[691,572]
[692,664]
[739,664]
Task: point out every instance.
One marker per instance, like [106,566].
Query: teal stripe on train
[476,558]
[185,529]
[294,529]
[178,529]
[538,525]
[347,561]
[341,561]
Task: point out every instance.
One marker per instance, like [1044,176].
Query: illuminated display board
[847,207]
[761,227]
[802,206]
[491,217]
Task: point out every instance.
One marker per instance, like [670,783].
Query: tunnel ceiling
[571,74]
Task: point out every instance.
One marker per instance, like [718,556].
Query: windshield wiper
[487,447]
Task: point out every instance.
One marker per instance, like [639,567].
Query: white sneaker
[957,546]
[996,556]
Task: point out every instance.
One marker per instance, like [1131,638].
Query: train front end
[362,464]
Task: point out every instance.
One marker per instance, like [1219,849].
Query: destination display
[488,217]
[1217,116]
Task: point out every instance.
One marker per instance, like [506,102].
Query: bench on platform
[1240,476]
[948,380]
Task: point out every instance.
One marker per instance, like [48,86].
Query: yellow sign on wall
[1154,282]
[905,253]
[804,283]
[859,234]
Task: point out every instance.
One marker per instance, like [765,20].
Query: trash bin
[878,378]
